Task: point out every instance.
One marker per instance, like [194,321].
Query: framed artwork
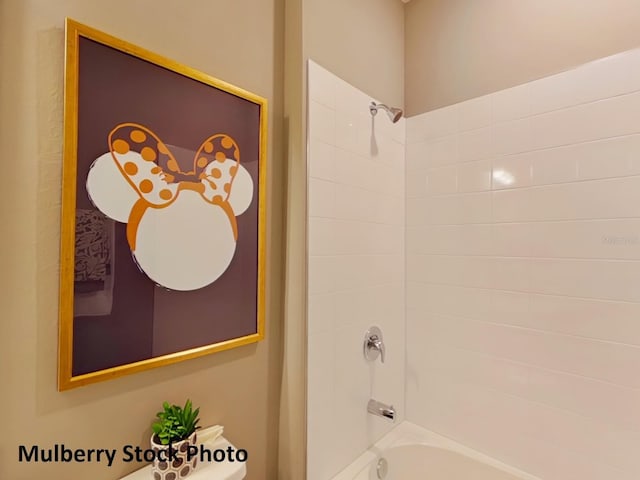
[163,212]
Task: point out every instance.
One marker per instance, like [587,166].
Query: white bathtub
[412,453]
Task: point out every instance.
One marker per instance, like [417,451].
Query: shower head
[395,114]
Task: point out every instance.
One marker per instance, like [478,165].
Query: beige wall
[361,41]
[292,440]
[461,49]
[240,41]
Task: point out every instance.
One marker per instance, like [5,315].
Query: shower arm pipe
[394,113]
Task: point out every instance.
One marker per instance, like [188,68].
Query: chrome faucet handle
[374,344]
[379,345]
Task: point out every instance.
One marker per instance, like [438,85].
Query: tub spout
[381,410]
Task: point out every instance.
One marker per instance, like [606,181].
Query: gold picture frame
[107,82]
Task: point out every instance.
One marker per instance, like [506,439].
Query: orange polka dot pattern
[140,155]
[221,158]
[146,186]
[136,149]
[131,168]
[149,154]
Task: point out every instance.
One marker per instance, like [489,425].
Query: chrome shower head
[395,114]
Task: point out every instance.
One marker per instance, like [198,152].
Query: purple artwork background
[146,320]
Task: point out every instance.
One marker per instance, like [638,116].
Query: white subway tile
[369,141]
[439,123]
[346,132]
[320,404]
[554,165]
[474,176]
[441,180]
[511,273]
[322,271]
[390,178]
[491,420]
[475,113]
[510,308]
[416,240]
[514,136]
[512,103]
[322,160]
[350,100]
[417,156]
[322,123]
[603,239]
[415,129]
[416,183]
[351,202]
[512,205]
[512,239]
[612,198]
[321,313]
[593,81]
[322,198]
[442,151]
[456,209]
[399,131]
[604,279]
[351,169]
[512,171]
[322,85]
[476,145]
[599,199]
[606,118]
[473,208]
[614,363]
[613,157]
[322,236]
[563,392]
[633,58]
[585,317]
[416,211]
[450,270]
[472,303]
[472,239]
[433,124]
[553,92]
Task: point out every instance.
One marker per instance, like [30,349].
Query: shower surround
[523,272]
[522,266]
[356,271]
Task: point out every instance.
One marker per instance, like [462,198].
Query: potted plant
[173,433]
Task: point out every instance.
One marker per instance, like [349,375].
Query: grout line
[502,290]
[526,257]
[530,116]
[543,368]
[531,292]
[426,196]
[597,421]
[521,222]
[478,350]
[540,331]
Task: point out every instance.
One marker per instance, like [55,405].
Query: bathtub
[410,452]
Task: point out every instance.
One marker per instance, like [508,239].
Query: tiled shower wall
[523,272]
[356,270]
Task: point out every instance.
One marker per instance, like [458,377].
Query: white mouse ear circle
[241,191]
[108,190]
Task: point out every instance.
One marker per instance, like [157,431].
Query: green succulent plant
[175,423]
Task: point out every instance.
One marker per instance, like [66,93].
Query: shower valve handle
[374,344]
